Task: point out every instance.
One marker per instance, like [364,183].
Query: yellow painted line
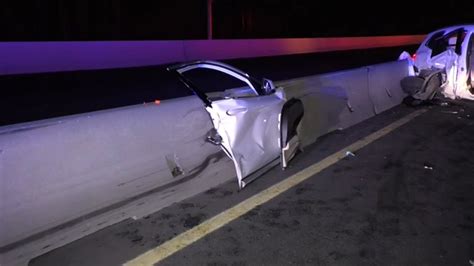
[185,239]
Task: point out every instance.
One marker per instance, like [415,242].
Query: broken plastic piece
[349,153]
[428,166]
[450,112]
[214,137]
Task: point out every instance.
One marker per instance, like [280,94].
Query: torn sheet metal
[250,131]
[290,120]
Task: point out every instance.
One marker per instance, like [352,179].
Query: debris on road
[349,153]
[428,166]
[450,112]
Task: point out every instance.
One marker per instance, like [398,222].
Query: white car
[447,51]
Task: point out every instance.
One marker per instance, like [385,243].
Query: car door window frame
[217,66]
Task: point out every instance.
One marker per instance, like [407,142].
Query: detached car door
[245,115]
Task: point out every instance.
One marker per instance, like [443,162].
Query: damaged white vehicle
[253,121]
[259,125]
[443,62]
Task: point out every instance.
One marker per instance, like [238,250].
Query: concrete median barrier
[57,171]
[341,99]
[384,84]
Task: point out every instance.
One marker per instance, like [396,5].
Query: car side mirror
[267,86]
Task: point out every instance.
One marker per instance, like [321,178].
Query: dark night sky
[55,20]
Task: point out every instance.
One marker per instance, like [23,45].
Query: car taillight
[413,56]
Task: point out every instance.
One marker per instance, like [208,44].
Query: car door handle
[235,111]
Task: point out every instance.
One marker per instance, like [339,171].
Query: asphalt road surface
[405,199]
